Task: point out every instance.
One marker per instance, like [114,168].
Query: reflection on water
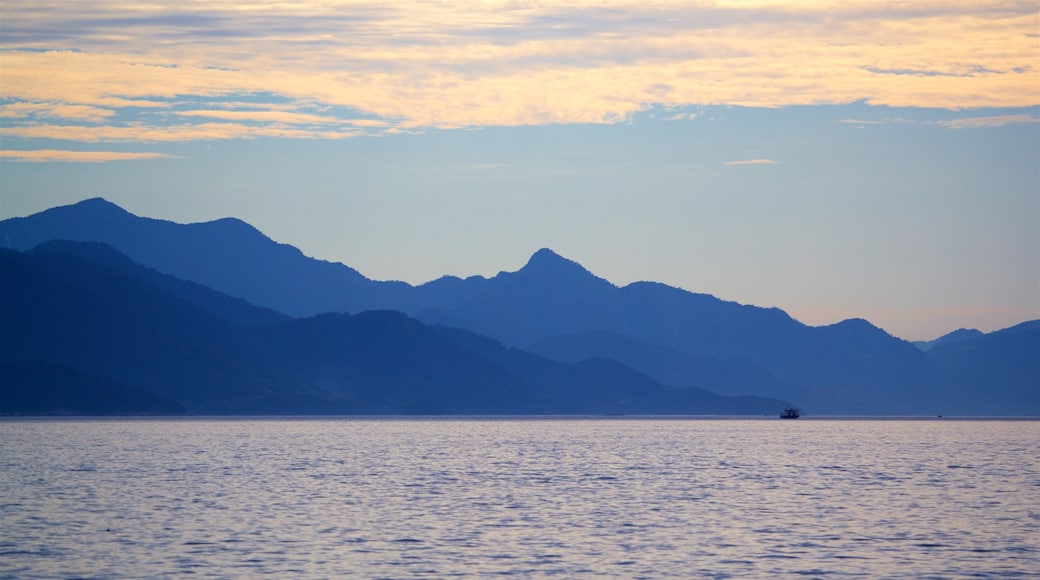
[410,498]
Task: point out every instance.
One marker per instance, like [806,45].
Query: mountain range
[558,337]
[87,331]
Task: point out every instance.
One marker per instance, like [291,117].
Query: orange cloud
[409,65]
[286,117]
[170,134]
[44,155]
[56,110]
[994,121]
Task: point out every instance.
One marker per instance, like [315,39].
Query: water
[443,498]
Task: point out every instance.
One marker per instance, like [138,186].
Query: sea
[573,497]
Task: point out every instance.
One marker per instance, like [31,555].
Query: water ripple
[469,498]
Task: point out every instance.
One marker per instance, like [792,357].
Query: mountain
[666,365]
[227,255]
[386,362]
[604,385]
[518,307]
[83,336]
[63,310]
[30,388]
[955,336]
[986,371]
[216,303]
[851,367]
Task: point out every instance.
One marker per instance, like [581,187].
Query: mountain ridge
[848,367]
[233,309]
[85,336]
[239,260]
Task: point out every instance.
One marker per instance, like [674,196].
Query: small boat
[790,413]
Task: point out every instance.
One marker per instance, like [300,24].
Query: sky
[867,159]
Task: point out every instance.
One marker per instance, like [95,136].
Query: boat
[790,413]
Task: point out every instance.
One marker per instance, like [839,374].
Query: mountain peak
[95,201]
[959,335]
[546,261]
[545,257]
[97,205]
[855,326]
[546,269]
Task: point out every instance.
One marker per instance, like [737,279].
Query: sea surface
[442,498]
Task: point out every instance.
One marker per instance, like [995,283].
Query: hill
[83,336]
[227,254]
[987,371]
[955,336]
[232,309]
[852,367]
[31,388]
[558,308]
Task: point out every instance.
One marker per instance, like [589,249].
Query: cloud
[56,110]
[752,162]
[884,121]
[334,69]
[47,155]
[171,133]
[994,121]
[963,123]
[284,117]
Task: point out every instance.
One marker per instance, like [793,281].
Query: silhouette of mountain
[222,305]
[227,255]
[997,373]
[849,367]
[955,336]
[667,365]
[888,374]
[518,307]
[852,367]
[61,309]
[31,388]
[385,362]
[604,386]
[103,339]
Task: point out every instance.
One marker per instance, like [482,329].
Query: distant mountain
[550,295]
[955,336]
[232,309]
[385,362]
[554,305]
[63,310]
[604,385]
[851,367]
[82,336]
[993,374]
[227,255]
[29,388]
[667,365]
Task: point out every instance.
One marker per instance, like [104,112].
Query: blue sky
[837,160]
